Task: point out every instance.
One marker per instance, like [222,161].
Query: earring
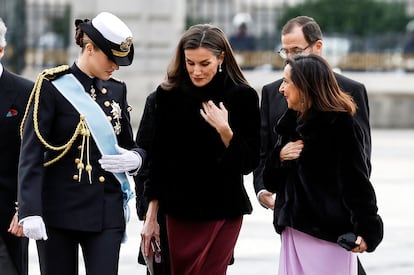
[219,68]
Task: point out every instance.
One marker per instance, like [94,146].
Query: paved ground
[258,247]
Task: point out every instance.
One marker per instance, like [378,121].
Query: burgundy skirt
[198,248]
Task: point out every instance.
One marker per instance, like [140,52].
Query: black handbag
[347,241]
[154,260]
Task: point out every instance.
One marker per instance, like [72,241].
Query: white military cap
[111,35]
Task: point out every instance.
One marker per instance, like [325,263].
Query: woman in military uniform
[77,153]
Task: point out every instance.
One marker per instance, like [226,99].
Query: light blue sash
[98,124]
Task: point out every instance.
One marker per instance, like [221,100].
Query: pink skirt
[302,254]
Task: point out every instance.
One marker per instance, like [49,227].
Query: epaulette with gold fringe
[53,73]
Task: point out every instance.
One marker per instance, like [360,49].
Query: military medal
[117,115]
[92,92]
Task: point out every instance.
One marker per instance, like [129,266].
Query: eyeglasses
[294,51]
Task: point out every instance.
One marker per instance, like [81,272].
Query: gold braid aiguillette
[81,128]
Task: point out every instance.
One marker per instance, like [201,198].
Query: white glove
[124,162]
[34,228]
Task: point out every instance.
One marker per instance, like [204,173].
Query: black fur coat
[192,174]
[326,192]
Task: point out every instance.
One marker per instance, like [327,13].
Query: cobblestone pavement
[258,246]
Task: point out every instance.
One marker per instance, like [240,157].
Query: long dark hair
[316,81]
[211,38]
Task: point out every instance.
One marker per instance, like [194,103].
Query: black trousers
[58,255]
[361,270]
[13,255]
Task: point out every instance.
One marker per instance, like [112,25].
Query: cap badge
[126,44]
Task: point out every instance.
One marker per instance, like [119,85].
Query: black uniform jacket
[192,173]
[273,106]
[14,93]
[54,192]
[326,192]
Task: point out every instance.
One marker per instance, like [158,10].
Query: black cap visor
[112,50]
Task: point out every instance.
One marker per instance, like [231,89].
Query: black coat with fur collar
[326,192]
[192,173]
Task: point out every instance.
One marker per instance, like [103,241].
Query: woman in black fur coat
[206,138]
[318,173]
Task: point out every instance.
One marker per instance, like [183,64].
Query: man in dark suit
[301,35]
[14,94]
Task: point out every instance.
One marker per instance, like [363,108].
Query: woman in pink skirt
[318,173]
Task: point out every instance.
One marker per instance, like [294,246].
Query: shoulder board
[53,73]
[116,79]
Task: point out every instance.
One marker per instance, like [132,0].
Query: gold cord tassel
[84,131]
[88,167]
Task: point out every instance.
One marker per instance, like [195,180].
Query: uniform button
[107,103]
[75,177]
[109,118]
[77,160]
[104,90]
[101,179]
[129,109]
[79,147]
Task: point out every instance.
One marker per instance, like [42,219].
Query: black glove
[347,241]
